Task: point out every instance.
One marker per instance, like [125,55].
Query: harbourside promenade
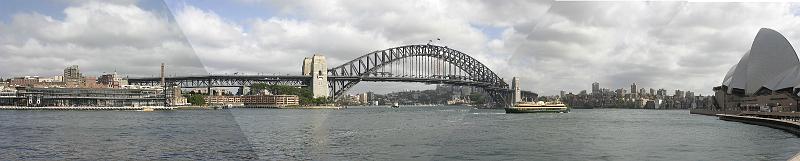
[787,121]
[785,125]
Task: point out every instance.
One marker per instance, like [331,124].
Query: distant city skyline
[627,90]
[551,46]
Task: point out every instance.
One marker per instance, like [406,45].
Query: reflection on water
[409,133]
[126,135]
[459,133]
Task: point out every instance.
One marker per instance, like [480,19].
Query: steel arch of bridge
[420,63]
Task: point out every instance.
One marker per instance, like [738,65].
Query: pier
[85,108]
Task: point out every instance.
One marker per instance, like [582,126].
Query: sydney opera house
[767,78]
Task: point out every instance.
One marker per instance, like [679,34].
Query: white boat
[538,107]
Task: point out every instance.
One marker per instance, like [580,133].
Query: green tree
[196,100]
[477,98]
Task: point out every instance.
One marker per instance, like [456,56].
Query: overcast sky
[552,46]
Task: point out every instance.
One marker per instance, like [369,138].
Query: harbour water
[380,133]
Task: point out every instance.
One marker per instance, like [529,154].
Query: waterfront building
[363,99]
[223,100]
[83,97]
[175,96]
[271,100]
[26,81]
[255,100]
[766,78]
[53,79]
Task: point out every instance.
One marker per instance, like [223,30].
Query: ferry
[538,107]
[396,105]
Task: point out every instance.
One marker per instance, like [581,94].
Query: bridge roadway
[205,81]
[412,63]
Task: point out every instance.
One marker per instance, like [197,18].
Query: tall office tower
[517,91]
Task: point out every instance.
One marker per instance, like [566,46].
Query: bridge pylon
[316,67]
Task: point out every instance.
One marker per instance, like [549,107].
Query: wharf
[311,107]
[83,108]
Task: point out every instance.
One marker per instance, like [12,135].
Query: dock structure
[84,97]
[84,108]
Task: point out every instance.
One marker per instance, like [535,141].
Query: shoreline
[775,120]
[788,126]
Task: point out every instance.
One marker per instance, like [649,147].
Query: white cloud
[344,30]
[99,37]
[272,45]
[552,45]
[672,45]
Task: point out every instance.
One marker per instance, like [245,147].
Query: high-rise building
[633,88]
[363,98]
[517,91]
[679,94]
[73,76]
[595,88]
[661,92]
[307,62]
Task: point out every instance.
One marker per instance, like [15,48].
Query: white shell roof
[771,63]
[737,75]
[787,78]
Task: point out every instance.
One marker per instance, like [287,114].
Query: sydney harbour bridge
[428,64]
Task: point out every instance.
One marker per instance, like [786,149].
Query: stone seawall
[712,112]
[788,126]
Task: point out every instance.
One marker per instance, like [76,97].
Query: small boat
[148,109]
[396,105]
[538,107]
